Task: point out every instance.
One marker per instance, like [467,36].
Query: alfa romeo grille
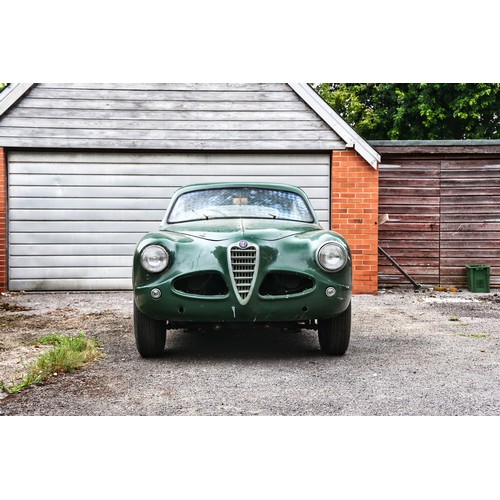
[243,265]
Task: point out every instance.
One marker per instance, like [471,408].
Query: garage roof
[161,116]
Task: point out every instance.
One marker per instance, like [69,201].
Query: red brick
[355,215]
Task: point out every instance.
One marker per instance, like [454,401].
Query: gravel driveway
[430,353]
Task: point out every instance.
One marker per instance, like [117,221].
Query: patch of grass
[68,354]
[475,335]
[454,318]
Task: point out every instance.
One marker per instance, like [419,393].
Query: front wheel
[150,334]
[334,333]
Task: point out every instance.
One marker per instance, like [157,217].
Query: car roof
[221,185]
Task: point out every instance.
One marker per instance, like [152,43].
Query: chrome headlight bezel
[154,259]
[332,257]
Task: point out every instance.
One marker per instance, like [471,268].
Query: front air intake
[243,263]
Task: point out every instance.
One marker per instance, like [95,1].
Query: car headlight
[332,257]
[154,259]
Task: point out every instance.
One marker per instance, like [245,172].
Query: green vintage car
[241,254]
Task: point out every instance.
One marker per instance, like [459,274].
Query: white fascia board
[11,94]
[336,122]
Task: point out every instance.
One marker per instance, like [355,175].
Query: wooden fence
[442,206]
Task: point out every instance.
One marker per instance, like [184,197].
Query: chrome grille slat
[243,266]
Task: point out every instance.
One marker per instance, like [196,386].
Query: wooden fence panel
[470,218]
[410,197]
[443,213]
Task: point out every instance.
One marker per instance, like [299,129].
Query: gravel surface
[430,353]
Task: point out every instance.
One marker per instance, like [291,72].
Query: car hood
[229,229]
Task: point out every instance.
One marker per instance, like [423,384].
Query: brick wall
[355,215]
[3,221]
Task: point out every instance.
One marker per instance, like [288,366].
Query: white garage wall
[75,218]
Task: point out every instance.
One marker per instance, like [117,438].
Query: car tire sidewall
[150,334]
[334,333]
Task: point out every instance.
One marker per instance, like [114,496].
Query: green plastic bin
[478,277]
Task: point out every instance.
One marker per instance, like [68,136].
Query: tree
[417,110]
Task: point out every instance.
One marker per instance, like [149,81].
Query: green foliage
[2,86]
[417,111]
[68,354]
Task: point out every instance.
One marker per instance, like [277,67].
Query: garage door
[75,218]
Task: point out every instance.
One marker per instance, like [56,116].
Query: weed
[68,354]
[475,335]
[454,318]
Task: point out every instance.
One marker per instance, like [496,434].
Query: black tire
[334,333]
[150,335]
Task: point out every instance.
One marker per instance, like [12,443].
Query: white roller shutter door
[75,218]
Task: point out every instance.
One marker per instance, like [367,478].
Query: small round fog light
[156,293]
[330,291]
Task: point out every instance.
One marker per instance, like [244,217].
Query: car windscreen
[240,202]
